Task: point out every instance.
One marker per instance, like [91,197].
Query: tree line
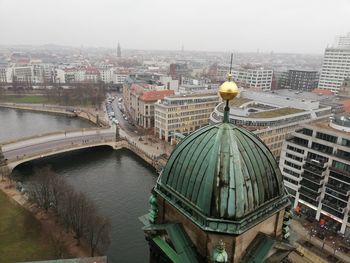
[74,210]
[82,94]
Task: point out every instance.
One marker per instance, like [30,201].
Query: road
[132,130]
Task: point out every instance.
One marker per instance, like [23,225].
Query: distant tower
[182,48]
[119,52]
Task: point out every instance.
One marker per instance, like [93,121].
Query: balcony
[299,141]
[313,178]
[309,193]
[311,186]
[342,155]
[335,205]
[322,148]
[332,211]
[339,171]
[318,163]
[336,196]
[314,170]
[338,188]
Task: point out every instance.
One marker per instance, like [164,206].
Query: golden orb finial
[228,90]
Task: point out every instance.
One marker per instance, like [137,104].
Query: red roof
[323,91]
[156,95]
[92,71]
[23,61]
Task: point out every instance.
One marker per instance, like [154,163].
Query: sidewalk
[303,233]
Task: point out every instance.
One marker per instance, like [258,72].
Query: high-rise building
[315,163]
[342,41]
[336,64]
[301,80]
[119,51]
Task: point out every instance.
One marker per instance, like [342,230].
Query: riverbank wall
[62,110]
[156,161]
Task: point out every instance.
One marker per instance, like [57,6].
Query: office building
[274,115]
[336,65]
[180,115]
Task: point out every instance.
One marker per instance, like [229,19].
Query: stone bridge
[30,148]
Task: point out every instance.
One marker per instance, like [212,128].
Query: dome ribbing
[223,172]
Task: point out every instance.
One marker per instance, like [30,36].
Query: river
[119,182]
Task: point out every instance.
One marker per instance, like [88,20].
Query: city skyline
[301,27]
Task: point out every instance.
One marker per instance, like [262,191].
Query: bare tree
[97,233]
[80,210]
[39,187]
[75,210]
[58,244]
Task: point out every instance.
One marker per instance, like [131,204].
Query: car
[125,118]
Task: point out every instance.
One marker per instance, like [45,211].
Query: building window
[286,170]
[341,166]
[326,137]
[295,149]
[291,156]
[321,148]
[345,142]
[293,165]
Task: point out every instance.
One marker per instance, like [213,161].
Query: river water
[119,182]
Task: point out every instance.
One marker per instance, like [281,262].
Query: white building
[107,75]
[169,83]
[342,41]
[315,163]
[336,64]
[60,75]
[180,115]
[23,73]
[258,78]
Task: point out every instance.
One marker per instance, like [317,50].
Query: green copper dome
[223,178]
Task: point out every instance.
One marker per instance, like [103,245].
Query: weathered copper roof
[223,172]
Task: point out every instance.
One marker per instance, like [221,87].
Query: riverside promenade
[89,114]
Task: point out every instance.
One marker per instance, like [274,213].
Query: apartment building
[23,73]
[315,163]
[179,115]
[139,101]
[336,65]
[305,80]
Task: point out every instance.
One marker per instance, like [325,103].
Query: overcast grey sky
[295,26]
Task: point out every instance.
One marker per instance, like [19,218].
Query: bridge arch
[14,163]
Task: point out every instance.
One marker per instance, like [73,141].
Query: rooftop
[338,124]
[155,95]
[275,113]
